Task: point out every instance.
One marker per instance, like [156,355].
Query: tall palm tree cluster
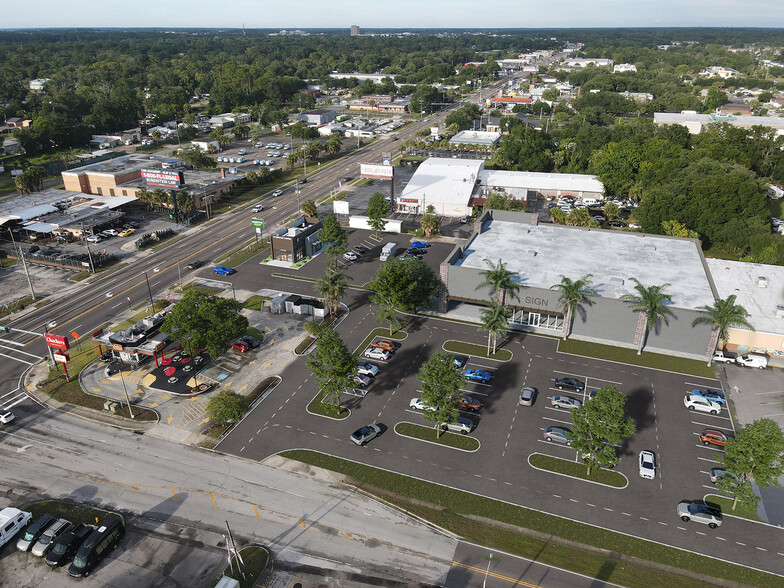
[651,301]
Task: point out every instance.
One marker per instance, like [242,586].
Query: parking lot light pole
[487,571]
[127,398]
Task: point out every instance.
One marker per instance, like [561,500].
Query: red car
[241,345]
[711,437]
[469,403]
[384,344]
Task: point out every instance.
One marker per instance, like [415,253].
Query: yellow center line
[256,512]
[214,502]
[495,575]
[174,494]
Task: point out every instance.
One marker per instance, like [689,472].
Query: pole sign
[61,357]
[381,172]
[257,223]
[164,178]
[56,341]
[340,206]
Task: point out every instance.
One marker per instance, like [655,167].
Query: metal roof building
[697,122]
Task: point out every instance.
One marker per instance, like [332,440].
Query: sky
[391,14]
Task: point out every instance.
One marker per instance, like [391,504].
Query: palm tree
[651,301]
[573,294]
[500,280]
[495,320]
[722,315]
[332,287]
[156,136]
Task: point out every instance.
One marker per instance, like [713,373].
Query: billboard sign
[380,172]
[56,341]
[163,178]
[257,223]
[340,206]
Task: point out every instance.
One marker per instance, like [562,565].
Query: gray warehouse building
[540,253]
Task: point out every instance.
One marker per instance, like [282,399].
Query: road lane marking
[214,501]
[256,512]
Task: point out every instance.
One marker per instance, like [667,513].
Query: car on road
[469,403]
[713,437]
[566,402]
[384,344]
[242,152]
[223,270]
[699,512]
[347,178]
[365,434]
[569,384]
[718,474]
[350,256]
[634,226]
[362,380]
[303,181]
[419,244]
[258,208]
[195,264]
[360,249]
[460,425]
[277,192]
[418,404]
[459,360]
[66,547]
[126,232]
[698,403]
[6,416]
[647,465]
[710,394]
[557,435]
[367,369]
[527,396]
[482,376]
[377,354]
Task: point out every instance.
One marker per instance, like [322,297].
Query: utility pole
[24,264]
[127,399]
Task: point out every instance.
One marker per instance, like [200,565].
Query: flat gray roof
[541,254]
[741,279]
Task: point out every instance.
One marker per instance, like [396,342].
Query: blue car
[222,269]
[419,244]
[478,376]
[460,360]
[715,395]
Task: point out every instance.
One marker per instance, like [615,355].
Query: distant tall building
[354,30]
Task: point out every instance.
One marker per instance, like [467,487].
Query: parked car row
[60,541]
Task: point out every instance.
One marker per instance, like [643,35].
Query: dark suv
[66,547]
[569,384]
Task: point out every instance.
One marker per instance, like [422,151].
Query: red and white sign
[62,357]
[56,341]
[381,172]
[165,178]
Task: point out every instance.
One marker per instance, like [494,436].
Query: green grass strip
[291,277]
[255,559]
[255,302]
[669,363]
[327,409]
[477,350]
[458,502]
[744,511]
[76,513]
[429,434]
[577,470]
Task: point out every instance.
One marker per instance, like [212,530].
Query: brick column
[443,293]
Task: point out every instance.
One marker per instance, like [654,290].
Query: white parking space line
[19,399]
[604,380]
[474,392]
[489,368]
[708,447]
[557,421]
[706,459]
[702,424]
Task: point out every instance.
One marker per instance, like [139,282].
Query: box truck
[388,251]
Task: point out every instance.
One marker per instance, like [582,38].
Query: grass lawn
[243,253]
[327,409]
[76,513]
[742,510]
[451,508]
[429,434]
[255,558]
[8,262]
[647,359]
[255,302]
[477,350]
[292,277]
[578,470]
[304,345]
[202,289]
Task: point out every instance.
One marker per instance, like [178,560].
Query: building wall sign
[165,178]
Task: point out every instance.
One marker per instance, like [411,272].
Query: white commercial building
[624,67]
[489,138]
[697,122]
[454,186]
[586,61]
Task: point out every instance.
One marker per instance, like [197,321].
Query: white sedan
[565,402]
[647,465]
[350,256]
[418,404]
[701,404]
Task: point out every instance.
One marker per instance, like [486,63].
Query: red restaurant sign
[57,341]
[165,178]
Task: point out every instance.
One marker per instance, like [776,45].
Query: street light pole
[24,264]
[127,399]
[487,571]
[152,304]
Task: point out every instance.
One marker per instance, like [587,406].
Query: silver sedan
[566,402]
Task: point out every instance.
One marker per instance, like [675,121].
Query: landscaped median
[329,410]
[578,470]
[254,559]
[742,511]
[476,350]
[447,439]
[554,540]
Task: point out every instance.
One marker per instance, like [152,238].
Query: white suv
[701,404]
[462,425]
[367,369]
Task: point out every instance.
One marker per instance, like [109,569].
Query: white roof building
[697,122]
[476,138]
[586,61]
[446,184]
[722,72]
[622,67]
[519,184]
